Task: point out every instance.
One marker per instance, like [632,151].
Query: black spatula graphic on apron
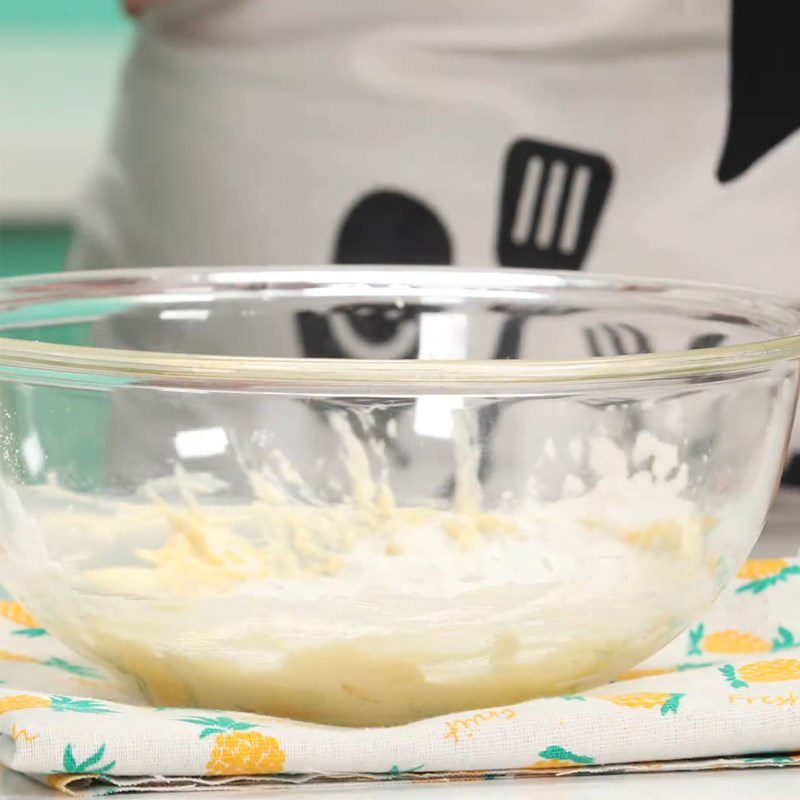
[550,203]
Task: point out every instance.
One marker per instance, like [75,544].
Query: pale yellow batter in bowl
[333,613]
[345,556]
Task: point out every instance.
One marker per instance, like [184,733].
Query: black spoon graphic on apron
[381,227]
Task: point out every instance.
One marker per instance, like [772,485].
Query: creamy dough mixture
[366,612]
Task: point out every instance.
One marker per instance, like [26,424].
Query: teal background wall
[60,15]
[27,249]
[33,99]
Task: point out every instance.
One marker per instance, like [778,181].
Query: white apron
[568,133]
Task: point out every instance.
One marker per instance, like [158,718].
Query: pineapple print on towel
[738,642]
[665,702]
[78,670]
[17,615]
[764,573]
[556,757]
[238,749]
[23,702]
[772,671]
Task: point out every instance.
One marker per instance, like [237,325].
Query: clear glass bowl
[367,496]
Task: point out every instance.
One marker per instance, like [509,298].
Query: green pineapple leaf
[69,762]
[683,667]
[757,586]
[729,673]
[671,705]
[71,765]
[760,585]
[62,703]
[561,754]
[74,669]
[215,725]
[93,759]
[200,720]
[794,569]
[395,771]
[695,638]
[772,759]
[784,639]
[31,633]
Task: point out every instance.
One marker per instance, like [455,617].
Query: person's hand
[136,7]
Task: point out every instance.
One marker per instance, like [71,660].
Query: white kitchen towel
[726,693]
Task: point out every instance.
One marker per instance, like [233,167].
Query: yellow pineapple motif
[757,569]
[6,655]
[245,753]
[778,669]
[666,702]
[15,613]
[762,574]
[639,699]
[238,749]
[731,641]
[21,702]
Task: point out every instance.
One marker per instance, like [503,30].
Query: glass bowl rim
[429,376]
